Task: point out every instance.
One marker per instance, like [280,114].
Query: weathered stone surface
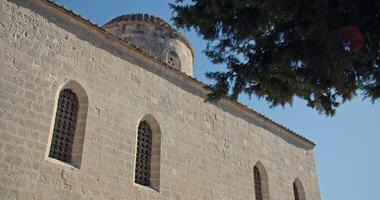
[207,150]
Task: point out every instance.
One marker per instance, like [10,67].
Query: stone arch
[155,150]
[263,188]
[77,140]
[298,190]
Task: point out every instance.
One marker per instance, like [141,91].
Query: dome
[156,36]
[139,18]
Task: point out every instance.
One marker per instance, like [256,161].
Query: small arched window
[143,155]
[66,139]
[295,190]
[64,126]
[298,190]
[147,167]
[257,179]
[260,179]
[173,60]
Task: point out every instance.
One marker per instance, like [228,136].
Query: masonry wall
[206,152]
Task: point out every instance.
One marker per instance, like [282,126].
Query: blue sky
[348,149]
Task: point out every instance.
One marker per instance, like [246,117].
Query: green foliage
[320,51]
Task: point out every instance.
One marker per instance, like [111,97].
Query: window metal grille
[257,181]
[143,154]
[295,190]
[64,126]
[173,60]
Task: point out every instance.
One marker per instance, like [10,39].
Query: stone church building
[113,112]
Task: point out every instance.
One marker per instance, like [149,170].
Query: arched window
[173,60]
[66,139]
[260,180]
[258,189]
[298,190]
[295,190]
[147,168]
[143,155]
[64,127]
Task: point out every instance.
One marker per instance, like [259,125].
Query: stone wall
[206,152]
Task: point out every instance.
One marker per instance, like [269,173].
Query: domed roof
[149,19]
[139,17]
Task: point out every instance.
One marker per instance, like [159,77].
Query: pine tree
[324,52]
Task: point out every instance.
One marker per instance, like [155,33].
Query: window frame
[173,60]
[79,134]
[154,185]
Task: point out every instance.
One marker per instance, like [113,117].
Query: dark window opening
[295,190]
[64,126]
[257,182]
[143,154]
